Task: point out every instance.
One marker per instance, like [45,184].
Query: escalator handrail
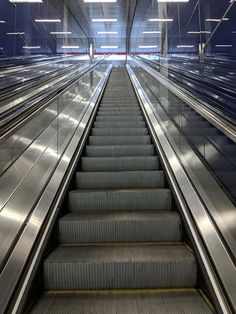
[209,113]
[43,213]
[12,119]
[217,262]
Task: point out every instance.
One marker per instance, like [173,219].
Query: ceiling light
[109,47]
[60,33]
[152,32]
[26,1]
[31,47]
[92,1]
[143,47]
[172,0]
[69,47]
[47,20]
[224,46]
[160,20]
[197,32]
[185,46]
[104,20]
[2,22]
[217,20]
[100,33]
[16,33]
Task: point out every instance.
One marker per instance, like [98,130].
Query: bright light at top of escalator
[60,33]
[94,1]
[161,20]
[217,20]
[47,20]
[152,32]
[172,1]
[26,1]
[104,20]
[185,46]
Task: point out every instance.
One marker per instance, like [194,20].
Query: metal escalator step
[119,132]
[119,228]
[119,163]
[119,140]
[119,119]
[109,113]
[120,180]
[124,124]
[120,200]
[161,302]
[120,267]
[121,105]
[119,150]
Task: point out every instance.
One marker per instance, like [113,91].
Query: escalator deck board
[150,302]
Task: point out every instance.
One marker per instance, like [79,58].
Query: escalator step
[119,132]
[127,124]
[119,119]
[120,113]
[120,180]
[119,150]
[119,140]
[119,163]
[161,302]
[119,227]
[120,267]
[120,200]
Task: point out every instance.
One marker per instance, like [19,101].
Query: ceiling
[132,20]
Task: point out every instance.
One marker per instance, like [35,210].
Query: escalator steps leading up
[121,231]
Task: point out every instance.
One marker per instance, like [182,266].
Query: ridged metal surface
[119,140]
[119,132]
[123,124]
[120,227]
[122,216]
[119,163]
[145,199]
[120,180]
[120,267]
[169,302]
[119,151]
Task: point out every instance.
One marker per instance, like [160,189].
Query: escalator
[121,247]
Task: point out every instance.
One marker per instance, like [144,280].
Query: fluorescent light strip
[104,20]
[152,32]
[94,1]
[109,47]
[160,20]
[60,33]
[101,33]
[171,1]
[2,22]
[185,46]
[26,1]
[47,20]
[16,33]
[70,47]
[31,47]
[148,47]
[217,20]
[224,46]
[197,32]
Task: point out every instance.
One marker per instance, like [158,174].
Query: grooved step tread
[120,200]
[150,302]
[119,180]
[120,227]
[120,267]
[119,140]
[119,132]
[119,150]
[123,124]
[119,163]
